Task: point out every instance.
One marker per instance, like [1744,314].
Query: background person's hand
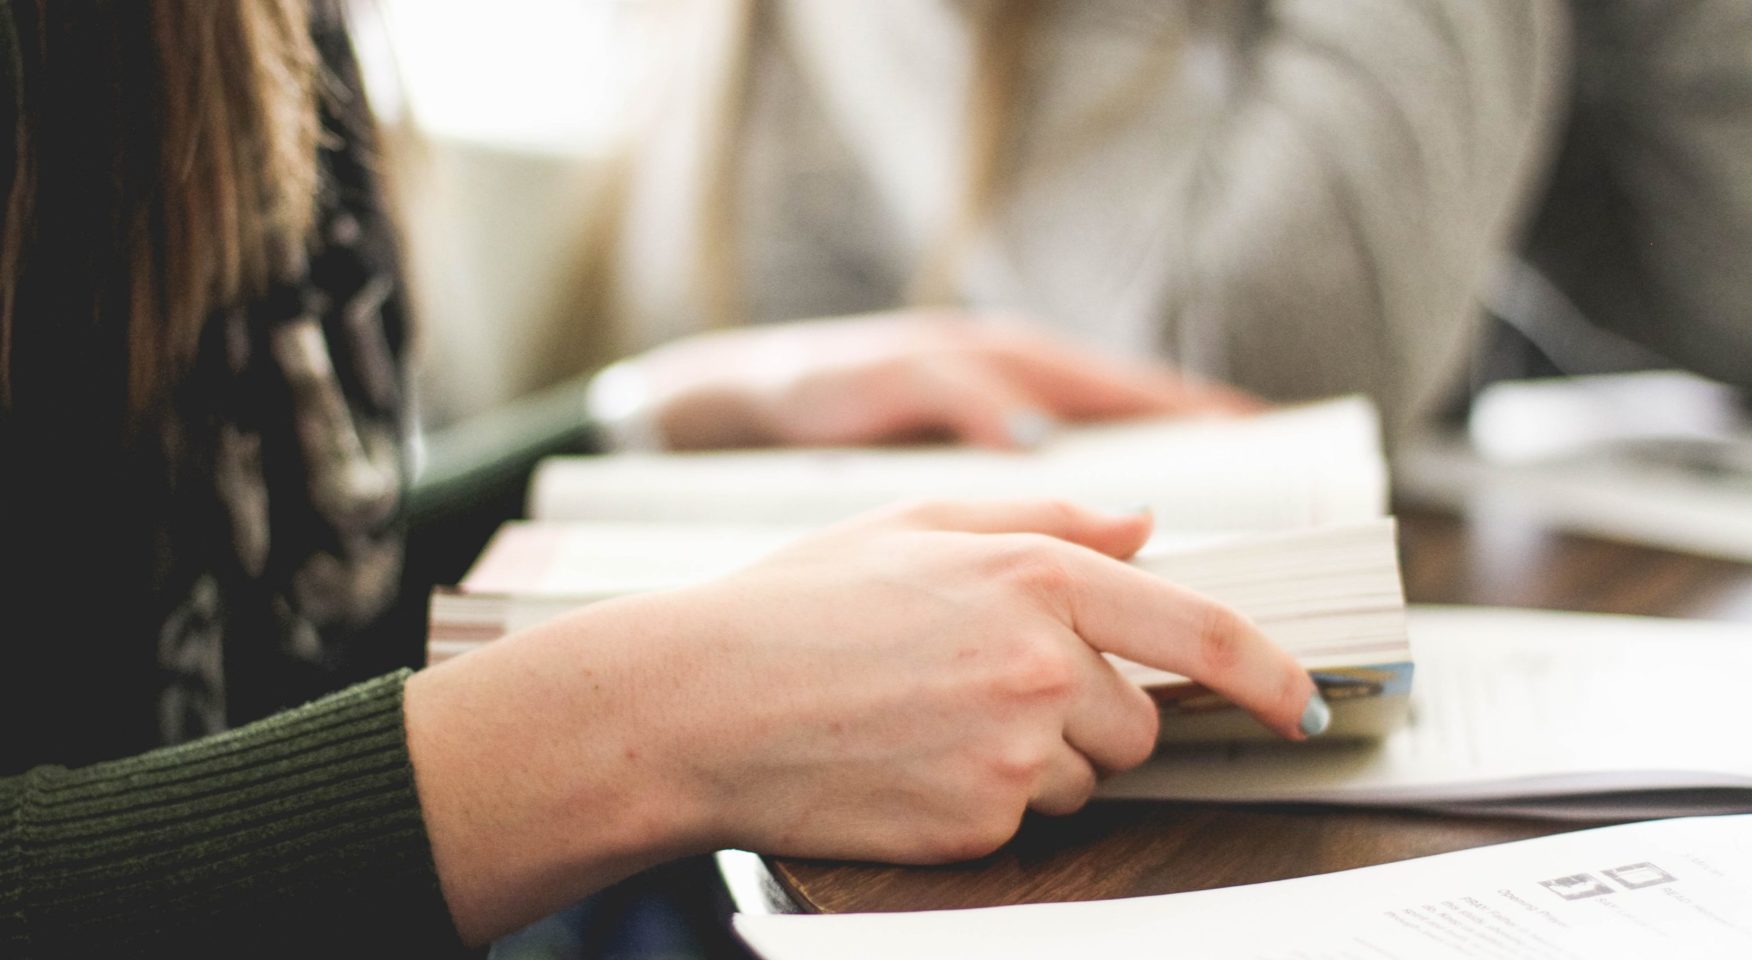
[881,378]
[898,688]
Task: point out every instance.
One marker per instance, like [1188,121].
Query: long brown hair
[1004,34]
[229,147]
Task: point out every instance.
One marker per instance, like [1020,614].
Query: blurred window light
[544,75]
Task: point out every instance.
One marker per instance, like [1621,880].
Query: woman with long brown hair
[207,435]
[201,417]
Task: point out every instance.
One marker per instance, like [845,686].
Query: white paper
[1514,704]
[1660,889]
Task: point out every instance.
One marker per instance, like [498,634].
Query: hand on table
[892,377]
[900,687]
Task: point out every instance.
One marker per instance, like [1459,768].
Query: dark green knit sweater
[300,835]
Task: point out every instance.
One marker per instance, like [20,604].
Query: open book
[1295,467]
[1669,888]
[1330,595]
[1520,713]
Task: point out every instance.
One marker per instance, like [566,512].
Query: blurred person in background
[1298,197]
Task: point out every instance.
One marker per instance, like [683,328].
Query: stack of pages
[1330,595]
[1280,516]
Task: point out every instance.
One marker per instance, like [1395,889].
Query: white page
[1661,889]
[1295,467]
[1513,704]
[587,561]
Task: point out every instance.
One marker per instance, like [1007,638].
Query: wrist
[537,782]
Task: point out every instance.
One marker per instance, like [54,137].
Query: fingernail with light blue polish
[1029,428]
[1316,716]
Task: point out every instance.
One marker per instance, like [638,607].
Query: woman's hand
[890,377]
[904,686]
[900,688]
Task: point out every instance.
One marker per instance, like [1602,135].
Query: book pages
[1330,595]
[594,561]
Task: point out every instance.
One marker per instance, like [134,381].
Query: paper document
[1529,712]
[1668,888]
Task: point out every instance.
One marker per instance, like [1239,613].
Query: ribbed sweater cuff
[298,835]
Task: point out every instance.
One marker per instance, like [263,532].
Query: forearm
[298,835]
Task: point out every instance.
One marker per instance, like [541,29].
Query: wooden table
[1119,849]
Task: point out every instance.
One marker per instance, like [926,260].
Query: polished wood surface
[1131,849]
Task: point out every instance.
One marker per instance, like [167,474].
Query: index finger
[1122,610]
